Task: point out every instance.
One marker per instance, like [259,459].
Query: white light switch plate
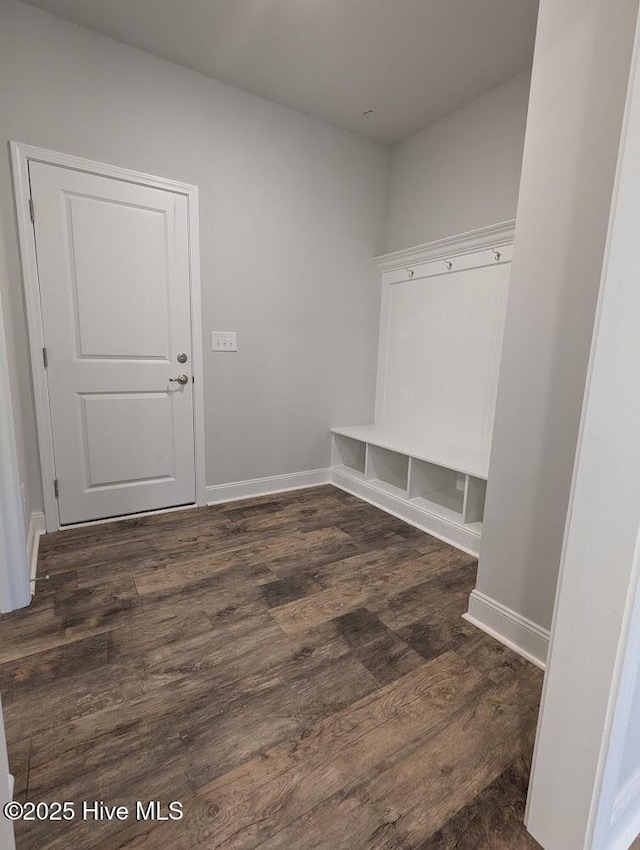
[224,341]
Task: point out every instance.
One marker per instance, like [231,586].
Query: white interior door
[113,267]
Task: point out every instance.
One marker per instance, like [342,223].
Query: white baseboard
[464,538]
[219,493]
[37,527]
[510,628]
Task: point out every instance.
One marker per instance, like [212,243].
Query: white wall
[292,213]
[580,71]
[595,643]
[462,172]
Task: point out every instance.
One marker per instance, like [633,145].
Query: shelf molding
[493,236]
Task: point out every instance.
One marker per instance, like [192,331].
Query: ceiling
[410,61]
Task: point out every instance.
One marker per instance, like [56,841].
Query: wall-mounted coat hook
[448,264]
[410,272]
[496,254]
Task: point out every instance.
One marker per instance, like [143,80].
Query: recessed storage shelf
[473,462]
[435,486]
[349,454]
[474,496]
[388,469]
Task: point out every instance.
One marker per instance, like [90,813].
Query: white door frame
[21,155]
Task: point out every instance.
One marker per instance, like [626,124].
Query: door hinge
[32,211]
[45,358]
[56,489]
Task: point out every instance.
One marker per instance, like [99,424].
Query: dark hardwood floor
[294,669]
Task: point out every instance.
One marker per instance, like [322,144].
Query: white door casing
[117,300]
[114,286]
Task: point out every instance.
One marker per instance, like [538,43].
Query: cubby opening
[474,497]
[349,453]
[388,468]
[435,485]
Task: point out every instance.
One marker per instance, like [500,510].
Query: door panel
[113,266]
[116,428]
[118,278]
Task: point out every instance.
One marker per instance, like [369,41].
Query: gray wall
[292,213]
[578,87]
[462,172]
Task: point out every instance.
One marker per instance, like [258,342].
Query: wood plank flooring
[294,669]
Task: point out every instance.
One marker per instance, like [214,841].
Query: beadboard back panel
[440,344]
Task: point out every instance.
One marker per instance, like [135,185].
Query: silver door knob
[181,379]
[182,358]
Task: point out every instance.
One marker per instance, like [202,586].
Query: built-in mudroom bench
[433,485]
[426,457]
